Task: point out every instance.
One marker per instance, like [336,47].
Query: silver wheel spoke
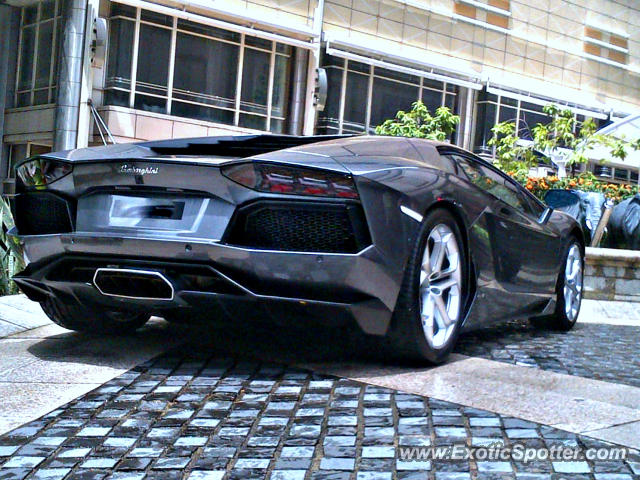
[573,282]
[442,310]
[437,256]
[440,286]
[444,283]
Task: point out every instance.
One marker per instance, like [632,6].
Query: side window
[507,192]
[493,183]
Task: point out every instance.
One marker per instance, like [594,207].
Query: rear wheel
[87,320]
[429,311]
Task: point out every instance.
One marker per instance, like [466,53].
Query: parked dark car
[413,240]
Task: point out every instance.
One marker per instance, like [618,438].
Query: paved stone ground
[200,417]
[598,351]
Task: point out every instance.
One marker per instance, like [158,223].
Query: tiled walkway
[601,352]
[228,403]
[208,418]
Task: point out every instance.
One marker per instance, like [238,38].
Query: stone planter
[612,274]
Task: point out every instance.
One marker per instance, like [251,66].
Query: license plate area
[154,214]
[147,208]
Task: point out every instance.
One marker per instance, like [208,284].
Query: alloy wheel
[573,283]
[440,288]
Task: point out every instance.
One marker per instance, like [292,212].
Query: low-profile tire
[430,306]
[569,288]
[87,320]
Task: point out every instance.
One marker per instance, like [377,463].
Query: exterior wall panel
[543,40]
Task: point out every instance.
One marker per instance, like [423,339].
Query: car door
[517,252]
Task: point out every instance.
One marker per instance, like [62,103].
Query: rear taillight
[272,178]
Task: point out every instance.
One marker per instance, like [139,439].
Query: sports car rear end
[237,223]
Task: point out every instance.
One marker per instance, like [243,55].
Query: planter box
[612,274]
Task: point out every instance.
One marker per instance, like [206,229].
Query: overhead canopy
[433,67]
[625,129]
[565,99]
[266,27]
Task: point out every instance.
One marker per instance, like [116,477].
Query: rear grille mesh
[301,227]
[42,213]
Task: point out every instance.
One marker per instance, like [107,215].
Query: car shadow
[288,341]
[292,341]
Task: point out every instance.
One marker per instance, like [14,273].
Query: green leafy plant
[419,123]
[10,252]
[563,136]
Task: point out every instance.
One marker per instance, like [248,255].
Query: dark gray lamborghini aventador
[411,239]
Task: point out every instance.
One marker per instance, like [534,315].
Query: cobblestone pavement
[597,351]
[208,418]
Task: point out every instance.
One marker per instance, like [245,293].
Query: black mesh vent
[42,213]
[308,227]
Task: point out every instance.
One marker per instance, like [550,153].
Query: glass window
[157,18]
[280,88]
[390,92]
[30,15]
[26,54]
[492,182]
[153,60]
[200,112]
[431,98]
[208,31]
[255,81]
[118,9]
[485,120]
[43,62]
[329,118]
[120,54]
[36,79]
[205,71]
[47,10]
[621,174]
[525,114]
[507,114]
[355,102]
[388,97]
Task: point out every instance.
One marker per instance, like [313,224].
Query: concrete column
[88,73]
[298,91]
[8,39]
[71,59]
[466,104]
[309,108]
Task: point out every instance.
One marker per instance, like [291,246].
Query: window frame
[522,107]
[342,65]
[52,83]
[274,51]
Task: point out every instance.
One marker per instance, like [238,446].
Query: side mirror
[544,216]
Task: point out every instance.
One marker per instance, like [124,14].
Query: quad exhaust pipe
[133,284]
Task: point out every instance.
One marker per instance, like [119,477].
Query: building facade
[82,72]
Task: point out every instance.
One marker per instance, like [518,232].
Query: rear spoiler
[241,146]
